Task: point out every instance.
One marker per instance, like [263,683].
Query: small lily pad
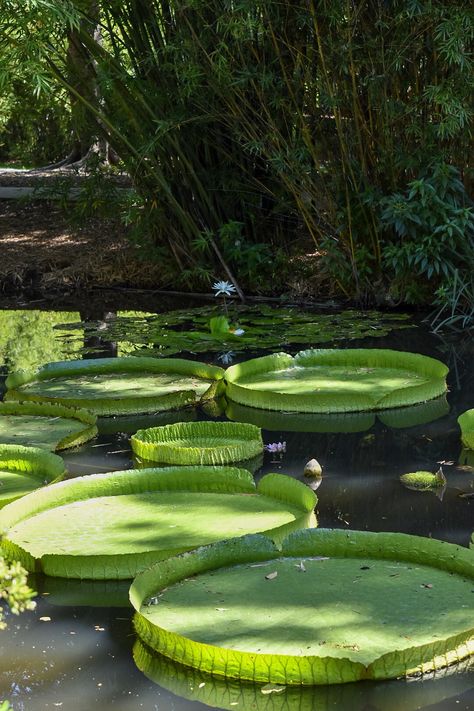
[198,443]
[424,481]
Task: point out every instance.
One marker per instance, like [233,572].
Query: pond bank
[43,252]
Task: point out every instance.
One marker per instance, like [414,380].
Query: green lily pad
[466,423]
[331,381]
[221,693]
[423,481]
[24,469]
[110,526]
[198,443]
[114,386]
[329,607]
[45,425]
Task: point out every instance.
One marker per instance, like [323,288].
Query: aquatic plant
[110,526]
[24,469]
[264,326]
[349,589]
[424,481]
[224,288]
[223,693]
[198,443]
[466,423]
[326,380]
[113,386]
[49,425]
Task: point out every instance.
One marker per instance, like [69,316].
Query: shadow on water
[81,656]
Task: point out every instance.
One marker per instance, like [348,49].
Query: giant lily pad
[46,425]
[329,607]
[115,386]
[198,443]
[24,469]
[326,380]
[109,526]
[466,423]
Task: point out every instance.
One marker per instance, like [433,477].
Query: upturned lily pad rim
[165,479]
[433,370]
[49,409]
[303,670]
[466,423]
[118,405]
[225,442]
[219,692]
[38,462]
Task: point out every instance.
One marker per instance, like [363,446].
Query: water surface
[76,650]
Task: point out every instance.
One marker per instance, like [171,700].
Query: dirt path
[40,250]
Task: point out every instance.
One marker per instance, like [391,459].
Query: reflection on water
[29,339]
[361,696]
[80,655]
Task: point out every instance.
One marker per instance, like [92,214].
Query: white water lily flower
[226,288]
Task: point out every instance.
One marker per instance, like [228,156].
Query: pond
[78,650]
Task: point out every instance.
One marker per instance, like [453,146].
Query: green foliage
[435,229]
[34,130]
[14,591]
[117,386]
[204,329]
[257,130]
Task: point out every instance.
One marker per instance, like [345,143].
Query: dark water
[80,655]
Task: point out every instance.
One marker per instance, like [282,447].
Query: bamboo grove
[258,130]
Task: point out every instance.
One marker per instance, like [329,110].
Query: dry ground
[41,250]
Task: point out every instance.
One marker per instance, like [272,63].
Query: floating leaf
[330,381]
[109,526]
[198,443]
[342,632]
[115,386]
